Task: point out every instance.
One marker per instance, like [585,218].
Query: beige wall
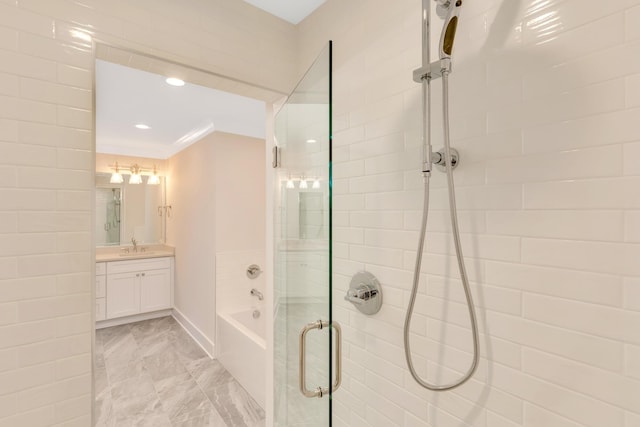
[191,230]
[47,166]
[548,191]
[240,214]
[216,190]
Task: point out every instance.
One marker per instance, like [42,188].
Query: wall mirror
[312,215]
[306,213]
[125,211]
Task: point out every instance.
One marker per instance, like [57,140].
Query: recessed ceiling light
[174,81]
[142,126]
[311,141]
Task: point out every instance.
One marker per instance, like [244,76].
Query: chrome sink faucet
[135,244]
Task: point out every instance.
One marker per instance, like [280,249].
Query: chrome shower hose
[456,239]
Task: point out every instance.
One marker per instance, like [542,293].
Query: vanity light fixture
[153,179]
[303,183]
[174,81]
[136,174]
[143,126]
[116,176]
[316,183]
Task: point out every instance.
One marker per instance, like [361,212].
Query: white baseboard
[131,319]
[198,336]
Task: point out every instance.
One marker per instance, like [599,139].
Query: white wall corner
[198,336]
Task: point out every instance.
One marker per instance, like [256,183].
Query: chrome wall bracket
[275,157]
[439,159]
[432,71]
[365,293]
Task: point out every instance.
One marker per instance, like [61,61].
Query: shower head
[442,8]
[451,10]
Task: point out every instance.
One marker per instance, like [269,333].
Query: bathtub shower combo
[242,348]
[241,337]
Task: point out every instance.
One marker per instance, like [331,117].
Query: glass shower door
[302,337]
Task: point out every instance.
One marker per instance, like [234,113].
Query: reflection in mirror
[311,215]
[305,212]
[131,208]
[108,216]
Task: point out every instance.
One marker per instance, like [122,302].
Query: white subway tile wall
[545,110]
[545,99]
[46,169]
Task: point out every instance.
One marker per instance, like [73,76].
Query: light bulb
[135,179]
[116,178]
[316,184]
[154,179]
[303,183]
[290,184]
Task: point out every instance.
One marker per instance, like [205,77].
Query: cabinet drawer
[101,286]
[138,265]
[101,268]
[101,309]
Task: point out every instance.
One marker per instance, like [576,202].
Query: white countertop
[118,254]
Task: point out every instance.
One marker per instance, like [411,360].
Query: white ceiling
[293,11]
[177,116]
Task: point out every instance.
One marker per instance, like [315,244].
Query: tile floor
[152,373]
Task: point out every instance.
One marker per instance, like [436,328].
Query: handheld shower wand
[424,75]
[448,35]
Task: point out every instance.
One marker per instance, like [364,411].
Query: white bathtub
[241,348]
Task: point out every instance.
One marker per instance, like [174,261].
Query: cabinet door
[101,285]
[123,294]
[101,306]
[155,290]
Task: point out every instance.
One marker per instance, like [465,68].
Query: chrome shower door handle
[338,346]
[319,391]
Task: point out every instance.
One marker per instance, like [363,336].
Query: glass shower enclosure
[306,344]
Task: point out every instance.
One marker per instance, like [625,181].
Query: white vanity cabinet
[101,286]
[138,286]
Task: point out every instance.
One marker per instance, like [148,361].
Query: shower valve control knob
[253,271]
[365,293]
